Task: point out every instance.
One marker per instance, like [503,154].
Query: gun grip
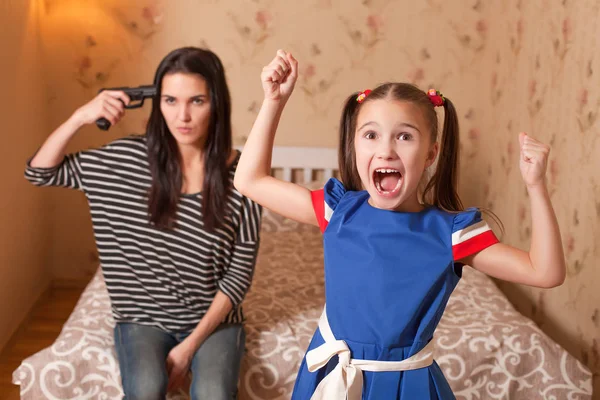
[103,124]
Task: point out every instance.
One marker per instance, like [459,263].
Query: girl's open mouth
[387,181]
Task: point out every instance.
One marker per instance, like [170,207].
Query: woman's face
[185,106]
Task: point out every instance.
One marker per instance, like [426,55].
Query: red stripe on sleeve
[474,245]
[318,200]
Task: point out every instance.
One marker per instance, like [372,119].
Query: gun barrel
[148,91]
[141,92]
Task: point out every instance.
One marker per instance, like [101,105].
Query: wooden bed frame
[311,161]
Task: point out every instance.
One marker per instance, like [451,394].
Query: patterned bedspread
[486,349]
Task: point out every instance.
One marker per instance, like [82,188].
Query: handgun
[137,95]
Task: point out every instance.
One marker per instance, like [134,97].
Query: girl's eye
[370,135]
[405,136]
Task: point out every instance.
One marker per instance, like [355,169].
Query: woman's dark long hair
[163,152]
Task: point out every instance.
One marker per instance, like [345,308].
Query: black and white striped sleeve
[237,279]
[66,174]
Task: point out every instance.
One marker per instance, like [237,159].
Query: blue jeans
[143,350]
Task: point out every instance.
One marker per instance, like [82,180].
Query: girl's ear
[432,154]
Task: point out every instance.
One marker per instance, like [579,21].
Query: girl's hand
[533,160]
[109,104]
[279,77]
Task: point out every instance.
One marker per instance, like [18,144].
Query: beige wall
[541,69]
[24,231]
[88,44]
[508,66]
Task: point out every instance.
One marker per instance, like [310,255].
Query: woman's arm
[107,104]
[232,288]
[252,177]
[544,264]
[180,357]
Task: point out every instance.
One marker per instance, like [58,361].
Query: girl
[393,254]
[177,242]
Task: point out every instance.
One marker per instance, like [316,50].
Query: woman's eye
[170,100]
[198,101]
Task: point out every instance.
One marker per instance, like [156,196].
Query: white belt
[345,381]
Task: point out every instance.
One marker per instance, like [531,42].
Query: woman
[177,242]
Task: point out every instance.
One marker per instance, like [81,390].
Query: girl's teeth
[380,189]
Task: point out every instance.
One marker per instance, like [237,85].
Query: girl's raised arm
[252,176]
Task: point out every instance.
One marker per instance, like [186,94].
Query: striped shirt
[166,279]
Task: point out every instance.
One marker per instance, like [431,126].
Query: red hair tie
[437,99]
[363,95]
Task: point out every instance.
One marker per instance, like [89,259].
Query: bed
[486,349]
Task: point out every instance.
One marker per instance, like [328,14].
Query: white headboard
[309,160]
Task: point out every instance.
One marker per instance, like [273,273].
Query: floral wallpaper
[537,76]
[508,66]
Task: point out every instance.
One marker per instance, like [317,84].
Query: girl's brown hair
[441,189]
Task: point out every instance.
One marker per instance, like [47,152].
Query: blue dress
[388,277]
